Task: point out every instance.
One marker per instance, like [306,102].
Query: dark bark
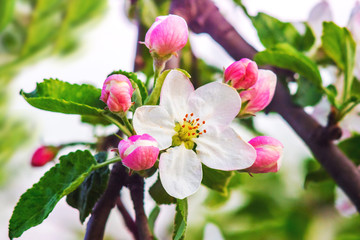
[129,222]
[96,226]
[136,187]
[204,17]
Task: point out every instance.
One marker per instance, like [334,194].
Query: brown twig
[100,213]
[129,222]
[136,187]
[204,17]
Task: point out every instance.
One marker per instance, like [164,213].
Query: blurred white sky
[109,46]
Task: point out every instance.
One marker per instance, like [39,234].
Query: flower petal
[224,150]
[216,103]
[180,172]
[174,93]
[155,121]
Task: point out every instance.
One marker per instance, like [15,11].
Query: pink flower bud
[242,74]
[43,155]
[139,152]
[259,95]
[268,154]
[116,93]
[167,35]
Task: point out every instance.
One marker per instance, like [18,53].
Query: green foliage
[216,179]
[152,217]
[58,96]
[160,196]
[285,56]
[272,31]
[6,12]
[307,93]
[15,133]
[316,176]
[180,221]
[86,195]
[340,46]
[37,202]
[351,148]
[77,13]
[94,120]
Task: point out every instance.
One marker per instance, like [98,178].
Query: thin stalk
[118,124]
[128,125]
[108,162]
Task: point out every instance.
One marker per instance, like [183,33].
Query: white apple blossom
[193,127]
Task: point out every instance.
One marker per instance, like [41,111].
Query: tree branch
[100,213]
[204,17]
[129,222]
[136,187]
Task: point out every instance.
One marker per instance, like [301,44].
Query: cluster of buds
[256,87]
[139,152]
[268,154]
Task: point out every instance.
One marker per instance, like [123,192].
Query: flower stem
[118,124]
[103,164]
[128,125]
[77,143]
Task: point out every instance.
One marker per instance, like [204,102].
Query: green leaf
[160,196]
[316,176]
[94,120]
[216,179]
[308,38]
[340,46]
[180,221]
[307,94]
[140,85]
[152,217]
[285,56]
[215,199]
[58,96]
[351,148]
[37,202]
[272,31]
[77,12]
[87,194]
[148,12]
[355,88]
[6,12]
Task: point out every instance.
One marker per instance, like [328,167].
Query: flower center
[189,129]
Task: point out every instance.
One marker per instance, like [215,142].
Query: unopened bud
[43,155]
[167,35]
[139,152]
[116,93]
[259,95]
[241,74]
[268,154]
